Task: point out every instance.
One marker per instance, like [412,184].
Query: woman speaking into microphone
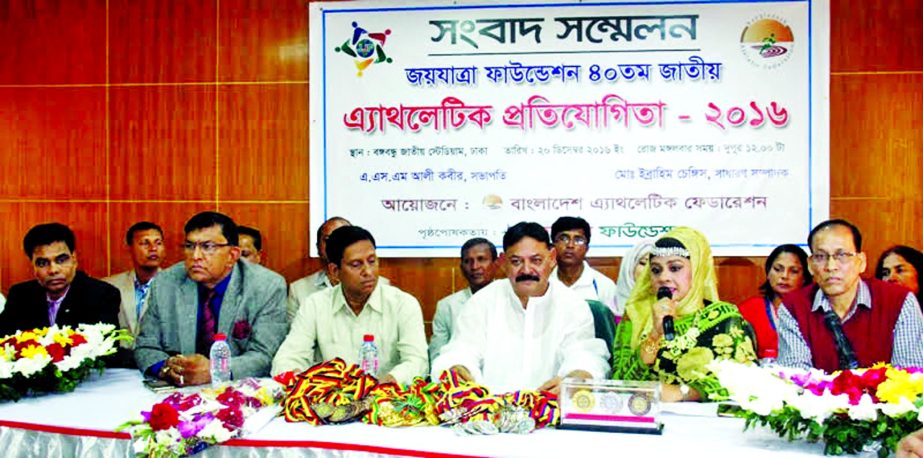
[674,324]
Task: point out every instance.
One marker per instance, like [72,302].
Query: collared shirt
[54,305]
[2,303]
[141,290]
[325,327]
[906,351]
[507,347]
[300,289]
[593,284]
[447,310]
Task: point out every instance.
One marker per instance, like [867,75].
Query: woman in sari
[705,329]
[786,271]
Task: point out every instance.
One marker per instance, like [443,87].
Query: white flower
[140,446]
[215,431]
[167,437]
[30,366]
[818,408]
[896,410]
[6,369]
[865,410]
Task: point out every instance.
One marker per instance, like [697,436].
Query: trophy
[610,405]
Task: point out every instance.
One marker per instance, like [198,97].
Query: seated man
[300,289]
[843,321]
[528,332]
[478,265]
[331,323]
[211,292]
[251,244]
[60,294]
[145,244]
[571,237]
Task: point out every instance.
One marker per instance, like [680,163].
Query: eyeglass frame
[565,239]
[841,257]
[208,247]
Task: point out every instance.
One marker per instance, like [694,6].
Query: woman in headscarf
[633,264]
[681,267]
[786,271]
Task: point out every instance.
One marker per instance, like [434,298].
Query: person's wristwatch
[684,391]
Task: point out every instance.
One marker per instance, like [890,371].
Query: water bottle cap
[220,336]
[368,338]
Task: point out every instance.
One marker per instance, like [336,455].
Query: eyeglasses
[841,257]
[566,239]
[209,248]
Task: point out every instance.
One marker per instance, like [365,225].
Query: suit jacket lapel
[188,315]
[231,301]
[127,289]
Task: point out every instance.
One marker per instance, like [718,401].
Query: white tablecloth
[82,423]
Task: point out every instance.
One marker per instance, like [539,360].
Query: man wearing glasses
[212,291]
[843,321]
[571,237]
[144,241]
[60,294]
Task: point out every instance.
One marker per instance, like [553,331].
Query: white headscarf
[627,273]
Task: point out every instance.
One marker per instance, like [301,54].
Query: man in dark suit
[60,294]
[211,292]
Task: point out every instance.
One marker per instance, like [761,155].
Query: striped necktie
[207,325]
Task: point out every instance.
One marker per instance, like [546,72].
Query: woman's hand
[660,309]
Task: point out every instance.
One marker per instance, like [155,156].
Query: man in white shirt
[300,289]
[331,323]
[571,237]
[144,240]
[478,265]
[528,332]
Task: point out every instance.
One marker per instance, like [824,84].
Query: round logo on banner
[767,42]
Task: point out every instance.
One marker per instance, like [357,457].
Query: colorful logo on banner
[366,48]
[767,42]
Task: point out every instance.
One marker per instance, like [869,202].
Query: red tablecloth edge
[237,442]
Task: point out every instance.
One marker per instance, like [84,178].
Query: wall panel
[208,108]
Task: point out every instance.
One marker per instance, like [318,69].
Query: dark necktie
[843,346]
[207,326]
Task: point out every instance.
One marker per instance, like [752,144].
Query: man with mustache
[212,291]
[528,332]
[60,294]
[844,321]
[571,238]
[478,265]
[144,241]
[333,322]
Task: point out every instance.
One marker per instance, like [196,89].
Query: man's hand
[554,385]
[388,379]
[463,374]
[911,446]
[186,370]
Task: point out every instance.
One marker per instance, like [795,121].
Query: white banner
[435,123]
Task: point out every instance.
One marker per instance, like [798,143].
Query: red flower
[232,398]
[78,339]
[56,351]
[241,330]
[163,416]
[287,379]
[231,418]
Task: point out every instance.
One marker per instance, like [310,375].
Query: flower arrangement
[851,411]
[54,359]
[184,424]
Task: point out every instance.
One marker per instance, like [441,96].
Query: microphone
[668,333]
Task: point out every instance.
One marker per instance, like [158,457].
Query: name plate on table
[610,405]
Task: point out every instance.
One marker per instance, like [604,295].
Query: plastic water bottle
[368,355]
[768,357]
[220,358]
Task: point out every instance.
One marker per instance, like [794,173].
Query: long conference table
[83,423]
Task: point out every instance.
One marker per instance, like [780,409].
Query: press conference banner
[432,123]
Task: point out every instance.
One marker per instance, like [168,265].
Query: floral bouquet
[185,424]
[852,410]
[54,360]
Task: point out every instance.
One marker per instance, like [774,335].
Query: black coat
[88,301]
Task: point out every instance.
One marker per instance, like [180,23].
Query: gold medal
[639,404]
[584,400]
